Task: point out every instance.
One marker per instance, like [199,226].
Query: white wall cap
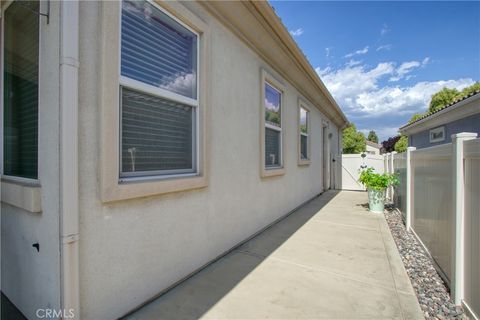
[464,135]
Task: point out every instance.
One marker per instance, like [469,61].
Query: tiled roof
[477,92]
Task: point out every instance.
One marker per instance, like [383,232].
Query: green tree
[402,144]
[415,117]
[442,98]
[372,136]
[353,140]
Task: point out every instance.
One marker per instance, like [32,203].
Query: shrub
[377,181]
[402,144]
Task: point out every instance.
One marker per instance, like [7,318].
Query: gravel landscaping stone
[432,294]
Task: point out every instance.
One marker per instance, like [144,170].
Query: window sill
[23,195]
[145,188]
[266,173]
[304,162]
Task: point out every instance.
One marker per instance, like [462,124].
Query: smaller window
[273,127]
[272,160]
[303,134]
[437,134]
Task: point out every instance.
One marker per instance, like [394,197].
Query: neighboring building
[142,140]
[437,128]
[373,148]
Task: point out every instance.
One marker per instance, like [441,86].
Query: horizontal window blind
[21,90]
[157,50]
[156,134]
[272,147]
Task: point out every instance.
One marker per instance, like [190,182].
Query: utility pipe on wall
[69,230]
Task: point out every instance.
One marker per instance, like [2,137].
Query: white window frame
[301,161]
[16,179]
[136,85]
[434,131]
[268,171]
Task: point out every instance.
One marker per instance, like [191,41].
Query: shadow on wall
[9,311]
[195,296]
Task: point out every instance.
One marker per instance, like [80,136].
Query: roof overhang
[256,24]
[460,110]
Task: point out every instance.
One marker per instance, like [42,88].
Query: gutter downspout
[69,217]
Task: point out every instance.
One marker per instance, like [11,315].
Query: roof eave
[263,24]
[412,127]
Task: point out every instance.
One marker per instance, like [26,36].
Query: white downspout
[69,61]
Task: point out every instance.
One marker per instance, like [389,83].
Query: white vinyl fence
[349,166]
[400,191]
[471,153]
[439,196]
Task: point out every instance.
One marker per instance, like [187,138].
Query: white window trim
[24,193]
[112,189]
[439,129]
[267,78]
[129,83]
[301,161]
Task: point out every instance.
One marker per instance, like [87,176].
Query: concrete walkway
[331,259]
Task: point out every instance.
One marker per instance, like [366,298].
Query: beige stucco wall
[131,250]
[31,279]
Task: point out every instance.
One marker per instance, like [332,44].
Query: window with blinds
[304,132]
[273,127]
[159,99]
[20,128]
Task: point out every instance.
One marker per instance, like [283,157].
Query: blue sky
[382,61]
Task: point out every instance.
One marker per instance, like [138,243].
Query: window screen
[272,106]
[21,90]
[156,134]
[157,50]
[303,147]
[273,127]
[304,133]
[157,131]
[272,147]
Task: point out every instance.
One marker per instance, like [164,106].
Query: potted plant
[376,185]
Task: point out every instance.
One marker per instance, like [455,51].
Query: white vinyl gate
[349,166]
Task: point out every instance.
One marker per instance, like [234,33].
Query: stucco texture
[31,279]
[132,250]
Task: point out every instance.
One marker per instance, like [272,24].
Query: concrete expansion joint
[349,225]
[70,238]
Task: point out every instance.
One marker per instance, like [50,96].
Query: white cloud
[358,52]
[353,63]
[358,91]
[385,47]
[328,51]
[296,33]
[385,29]
[181,83]
[407,67]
